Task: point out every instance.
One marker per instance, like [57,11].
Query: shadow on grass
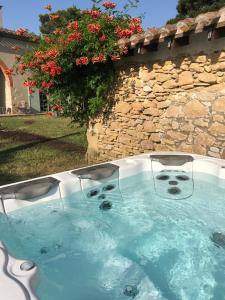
[36,139]
[31,141]
[6,178]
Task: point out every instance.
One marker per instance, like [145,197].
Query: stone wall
[176,104]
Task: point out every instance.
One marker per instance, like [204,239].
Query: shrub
[190,8]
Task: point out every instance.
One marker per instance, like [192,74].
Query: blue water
[157,244]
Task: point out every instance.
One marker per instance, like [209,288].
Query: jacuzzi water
[145,247]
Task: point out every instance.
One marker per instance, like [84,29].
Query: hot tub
[145,227]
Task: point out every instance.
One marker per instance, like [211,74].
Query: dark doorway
[2,93]
[43,102]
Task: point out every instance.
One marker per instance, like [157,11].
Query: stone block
[170,84]
[157,66]
[220,74]
[185,148]
[147,145]
[123,107]
[188,87]
[124,139]
[157,89]
[174,112]
[163,104]
[175,125]
[222,56]
[156,137]
[194,67]
[198,149]
[217,129]
[213,154]
[184,67]
[132,97]
[221,79]
[146,76]
[219,105]
[220,66]
[214,149]
[188,127]
[207,77]
[149,104]
[176,135]
[185,78]
[139,127]
[218,118]
[195,109]
[149,126]
[168,68]
[151,112]
[114,125]
[137,106]
[138,83]
[201,123]
[163,77]
[197,84]
[201,59]
[147,89]
[204,139]
[208,68]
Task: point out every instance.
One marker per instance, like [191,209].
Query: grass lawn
[32,146]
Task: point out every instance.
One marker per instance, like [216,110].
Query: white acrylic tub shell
[16,284]
[70,183]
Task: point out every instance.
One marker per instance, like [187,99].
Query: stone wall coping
[208,21]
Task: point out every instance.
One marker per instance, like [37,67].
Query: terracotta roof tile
[12,34]
[202,22]
[184,26]
[166,31]
[137,38]
[150,35]
[205,20]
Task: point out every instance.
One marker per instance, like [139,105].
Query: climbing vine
[73,64]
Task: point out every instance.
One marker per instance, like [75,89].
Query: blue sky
[24,13]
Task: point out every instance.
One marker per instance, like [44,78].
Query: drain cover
[27,266]
[182,177]
[173,182]
[218,239]
[131,291]
[109,187]
[174,190]
[105,205]
[44,250]
[102,197]
[93,193]
[162,177]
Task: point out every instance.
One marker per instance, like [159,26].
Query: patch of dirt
[28,122]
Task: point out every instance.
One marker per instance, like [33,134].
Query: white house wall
[16,95]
